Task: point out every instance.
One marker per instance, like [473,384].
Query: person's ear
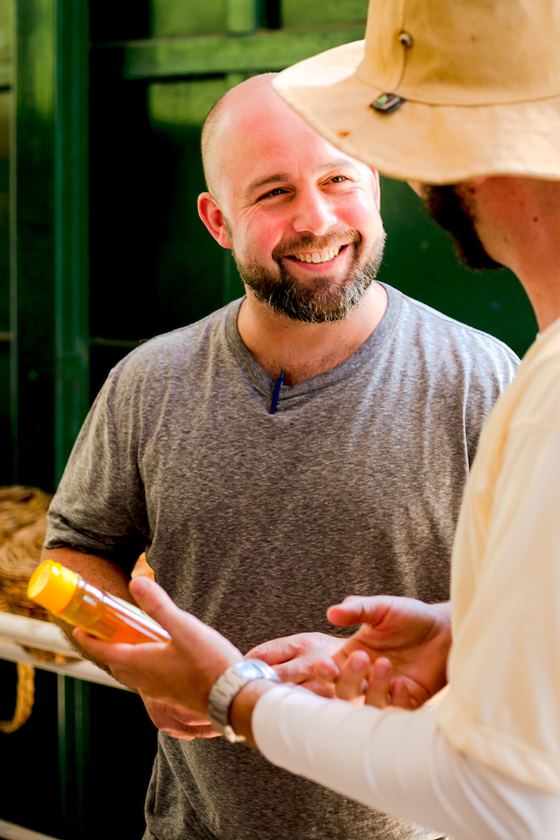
[376,186]
[213,218]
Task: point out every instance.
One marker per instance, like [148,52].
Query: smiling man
[304,226]
[310,439]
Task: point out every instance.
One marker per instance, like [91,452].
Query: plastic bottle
[68,596]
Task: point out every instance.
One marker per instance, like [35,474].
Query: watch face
[248,669]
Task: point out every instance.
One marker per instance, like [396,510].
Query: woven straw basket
[23,523]
[22,531]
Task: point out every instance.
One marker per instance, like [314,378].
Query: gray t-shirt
[256,522]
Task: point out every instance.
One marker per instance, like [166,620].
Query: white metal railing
[9,831]
[16,630]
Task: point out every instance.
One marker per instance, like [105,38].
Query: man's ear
[213,219]
[376,186]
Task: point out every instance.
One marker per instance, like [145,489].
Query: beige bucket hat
[441,90]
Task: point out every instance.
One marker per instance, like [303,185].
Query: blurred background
[101,105]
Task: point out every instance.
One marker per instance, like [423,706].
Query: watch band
[228,686]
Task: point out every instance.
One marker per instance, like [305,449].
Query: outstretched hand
[397,657]
[294,657]
[181,671]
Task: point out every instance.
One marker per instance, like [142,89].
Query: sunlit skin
[280,190]
[517,222]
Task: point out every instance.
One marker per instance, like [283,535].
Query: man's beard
[324,299]
[451,212]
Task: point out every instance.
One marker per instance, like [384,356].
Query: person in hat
[461,98]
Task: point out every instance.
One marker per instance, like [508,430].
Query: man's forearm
[96,570]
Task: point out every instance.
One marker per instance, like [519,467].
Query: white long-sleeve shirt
[485,763]
[399,762]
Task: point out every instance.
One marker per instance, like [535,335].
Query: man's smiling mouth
[320,256]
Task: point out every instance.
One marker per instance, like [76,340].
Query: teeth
[319,256]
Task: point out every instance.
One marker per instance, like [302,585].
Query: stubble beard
[450,211]
[324,299]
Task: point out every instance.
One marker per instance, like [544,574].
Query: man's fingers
[111,653]
[119,657]
[400,696]
[274,652]
[320,687]
[170,715]
[326,669]
[294,671]
[99,650]
[191,733]
[379,683]
[351,683]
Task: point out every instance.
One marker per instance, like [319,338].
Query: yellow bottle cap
[52,586]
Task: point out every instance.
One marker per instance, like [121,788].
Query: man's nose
[313,214]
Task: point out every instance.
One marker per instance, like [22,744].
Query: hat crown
[452,52]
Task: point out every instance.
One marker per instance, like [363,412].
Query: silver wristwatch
[228,686]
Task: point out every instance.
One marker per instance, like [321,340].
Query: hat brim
[433,144]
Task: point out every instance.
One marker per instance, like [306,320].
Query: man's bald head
[223,114]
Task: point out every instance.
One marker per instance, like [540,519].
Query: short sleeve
[99,506]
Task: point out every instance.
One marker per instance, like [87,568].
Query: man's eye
[339,179]
[272,193]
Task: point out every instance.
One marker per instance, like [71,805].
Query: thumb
[155,601]
[358,609]
[185,629]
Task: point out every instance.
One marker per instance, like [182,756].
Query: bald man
[308,440]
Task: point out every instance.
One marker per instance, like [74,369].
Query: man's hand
[178,722]
[294,658]
[180,672]
[397,657]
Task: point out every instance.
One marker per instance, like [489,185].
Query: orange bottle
[68,596]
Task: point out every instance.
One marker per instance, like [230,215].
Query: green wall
[5,334]
[104,170]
